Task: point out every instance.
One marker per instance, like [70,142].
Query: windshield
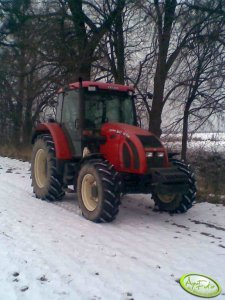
[104,106]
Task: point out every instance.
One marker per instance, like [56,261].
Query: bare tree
[25,77]
[204,98]
[75,31]
[202,86]
[177,25]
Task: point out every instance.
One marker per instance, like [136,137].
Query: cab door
[69,109]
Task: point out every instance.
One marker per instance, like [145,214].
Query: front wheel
[178,203]
[46,181]
[98,191]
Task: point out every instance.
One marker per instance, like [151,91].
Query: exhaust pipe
[81,107]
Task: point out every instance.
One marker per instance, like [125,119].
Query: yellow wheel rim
[40,168]
[88,184]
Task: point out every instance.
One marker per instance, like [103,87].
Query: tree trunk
[185,136]
[27,124]
[119,47]
[18,111]
[17,122]
[164,26]
[185,129]
[155,118]
[83,71]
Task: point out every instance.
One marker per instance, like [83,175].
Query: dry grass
[202,196]
[21,153]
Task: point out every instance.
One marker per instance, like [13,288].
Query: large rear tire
[178,203]
[98,191]
[46,181]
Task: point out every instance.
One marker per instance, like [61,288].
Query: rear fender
[62,148]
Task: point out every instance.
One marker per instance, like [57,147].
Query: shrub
[22,153]
[209,168]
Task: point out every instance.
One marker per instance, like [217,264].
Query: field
[207,142]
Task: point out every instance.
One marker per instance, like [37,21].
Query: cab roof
[100,85]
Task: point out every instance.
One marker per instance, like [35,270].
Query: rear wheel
[98,191]
[178,203]
[45,180]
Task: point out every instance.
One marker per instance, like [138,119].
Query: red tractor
[95,145]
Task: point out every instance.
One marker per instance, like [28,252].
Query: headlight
[149,154]
[160,154]
[91,88]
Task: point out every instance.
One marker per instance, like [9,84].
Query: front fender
[62,148]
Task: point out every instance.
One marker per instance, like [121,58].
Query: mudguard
[62,148]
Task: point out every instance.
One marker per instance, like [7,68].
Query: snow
[49,251]
[212,142]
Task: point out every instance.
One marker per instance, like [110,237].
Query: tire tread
[55,190]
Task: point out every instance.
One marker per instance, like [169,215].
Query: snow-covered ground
[48,251]
[213,142]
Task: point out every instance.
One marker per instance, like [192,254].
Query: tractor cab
[83,109]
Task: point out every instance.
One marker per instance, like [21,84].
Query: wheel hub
[40,168]
[94,191]
[89,191]
[167,198]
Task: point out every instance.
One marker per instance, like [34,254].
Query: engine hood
[124,129]
[126,147]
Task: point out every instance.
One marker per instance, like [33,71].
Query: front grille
[149,141]
[126,156]
[155,162]
[135,153]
